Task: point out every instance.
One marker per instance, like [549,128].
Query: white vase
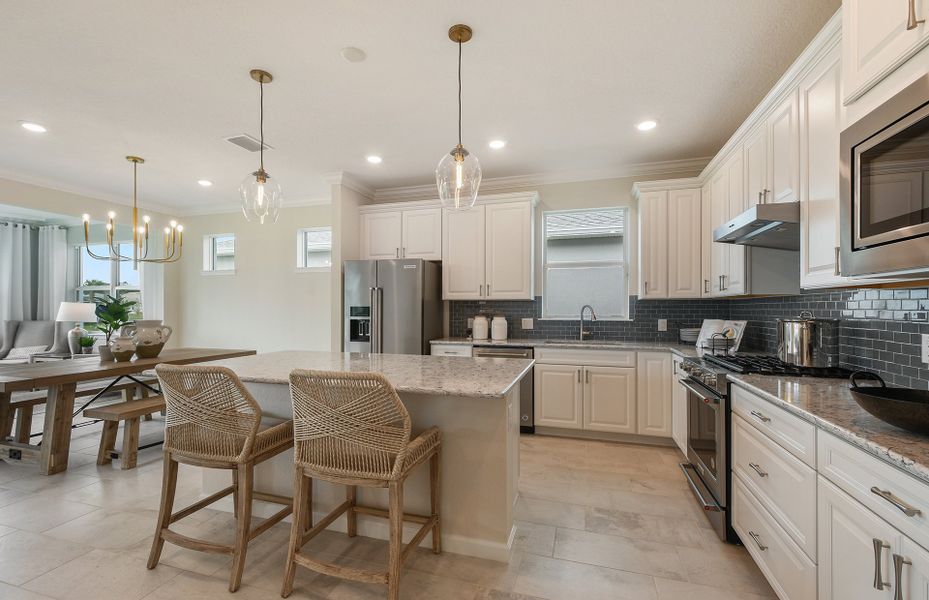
[149,337]
[122,348]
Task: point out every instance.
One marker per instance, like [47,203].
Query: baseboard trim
[604,436]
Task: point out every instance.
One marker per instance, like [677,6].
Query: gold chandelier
[173,235]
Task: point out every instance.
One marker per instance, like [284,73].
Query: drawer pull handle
[903,506]
[758,470]
[757,540]
[879,583]
[761,417]
[899,561]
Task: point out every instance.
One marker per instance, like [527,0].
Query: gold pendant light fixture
[458,175]
[173,235]
[261,195]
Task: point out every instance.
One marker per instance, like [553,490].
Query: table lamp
[77,312]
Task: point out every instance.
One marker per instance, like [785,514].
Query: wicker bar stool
[352,429]
[214,422]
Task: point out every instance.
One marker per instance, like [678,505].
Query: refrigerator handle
[377,344]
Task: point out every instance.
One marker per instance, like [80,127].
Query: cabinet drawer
[857,472]
[451,350]
[592,358]
[789,571]
[791,432]
[782,482]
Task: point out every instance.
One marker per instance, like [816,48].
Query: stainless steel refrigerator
[391,306]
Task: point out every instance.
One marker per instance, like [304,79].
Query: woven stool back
[210,414]
[348,424]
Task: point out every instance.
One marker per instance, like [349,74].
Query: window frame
[209,255]
[301,250]
[622,264]
[113,288]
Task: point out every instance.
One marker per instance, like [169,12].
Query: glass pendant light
[261,195]
[458,175]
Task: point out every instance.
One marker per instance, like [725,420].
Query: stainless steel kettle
[806,341]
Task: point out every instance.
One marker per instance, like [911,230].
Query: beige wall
[266,304]
[346,245]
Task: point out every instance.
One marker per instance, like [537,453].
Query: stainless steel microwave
[884,188]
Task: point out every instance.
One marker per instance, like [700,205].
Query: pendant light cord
[459,92]
[261,124]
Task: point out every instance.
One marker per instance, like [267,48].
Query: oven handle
[702,395]
[707,506]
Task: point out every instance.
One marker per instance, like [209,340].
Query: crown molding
[350,181]
[642,187]
[225,209]
[504,184]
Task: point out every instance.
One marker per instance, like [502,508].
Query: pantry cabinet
[610,399]
[414,233]
[653,400]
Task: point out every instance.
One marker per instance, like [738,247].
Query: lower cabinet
[559,396]
[653,371]
[609,399]
[678,406]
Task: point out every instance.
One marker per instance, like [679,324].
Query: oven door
[706,440]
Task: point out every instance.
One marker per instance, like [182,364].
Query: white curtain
[152,278]
[53,271]
[16,299]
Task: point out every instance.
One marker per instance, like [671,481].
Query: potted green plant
[112,314]
[87,344]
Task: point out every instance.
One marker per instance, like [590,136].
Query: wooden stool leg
[235,495]
[435,496]
[243,523]
[351,493]
[6,416]
[107,442]
[24,424]
[396,539]
[308,503]
[297,528]
[130,452]
[168,487]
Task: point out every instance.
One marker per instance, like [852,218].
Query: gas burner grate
[771,365]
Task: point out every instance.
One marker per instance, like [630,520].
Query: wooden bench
[130,412]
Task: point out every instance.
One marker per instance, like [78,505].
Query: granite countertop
[409,373]
[828,404]
[681,349]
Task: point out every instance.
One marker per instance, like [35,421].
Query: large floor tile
[414,585]
[40,513]
[534,538]
[728,567]
[561,580]
[25,555]
[678,590]
[192,586]
[9,592]
[478,571]
[108,530]
[547,512]
[667,530]
[627,554]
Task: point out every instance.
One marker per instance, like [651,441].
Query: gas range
[711,370]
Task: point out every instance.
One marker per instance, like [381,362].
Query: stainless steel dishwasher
[526,388]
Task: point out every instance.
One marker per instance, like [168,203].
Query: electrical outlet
[924,347]
[526,324]
[662,324]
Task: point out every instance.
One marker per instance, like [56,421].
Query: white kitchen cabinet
[653,398]
[654,245]
[463,254]
[559,396]
[609,399]
[756,165]
[719,192]
[783,171]
[847,558]
[706,239]
[915,580]
[422,234]
[462,350]
[876,41]
[734,278]
[820,114]
[678,406]
[381,234]
[684,244]
[509,251]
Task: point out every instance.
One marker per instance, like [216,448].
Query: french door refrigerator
[391,306]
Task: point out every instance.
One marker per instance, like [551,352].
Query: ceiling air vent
[247,142]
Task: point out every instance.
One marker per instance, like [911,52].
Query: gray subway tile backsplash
[879,331]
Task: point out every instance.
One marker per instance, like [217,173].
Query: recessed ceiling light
[646,125]
[33,127]
[497,144]
[205,182]
[352,54]
[374,159]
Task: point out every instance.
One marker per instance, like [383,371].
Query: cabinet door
[653,245]
[819,175]
[783,149]
[463,254]
[609,399]
[915,584]
[720,214]
[847,561]
[875,41]
[684,244]
[422,234]
[756,165]
[678,406]
[706,239]
[653,400]
[559,396]
[734,280]
[509,254]
[380,235]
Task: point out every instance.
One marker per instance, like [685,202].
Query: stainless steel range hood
[765,226]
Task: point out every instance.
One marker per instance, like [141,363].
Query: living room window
[314,249]
[584,262]
[219,253]
[98,278]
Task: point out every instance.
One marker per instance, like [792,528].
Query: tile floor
[595,520]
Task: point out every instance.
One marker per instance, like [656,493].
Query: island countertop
[409,373]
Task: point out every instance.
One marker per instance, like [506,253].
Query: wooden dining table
[60,379]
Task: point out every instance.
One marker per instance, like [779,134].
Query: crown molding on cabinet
[642,187]
[532,196]
[348,180]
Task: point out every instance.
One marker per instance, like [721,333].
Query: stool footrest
[193,543]
[332,570]
[201,504]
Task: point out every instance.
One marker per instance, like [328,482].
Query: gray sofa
[21,338]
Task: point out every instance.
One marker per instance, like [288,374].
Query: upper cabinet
[381,235]
[408,233]
[653,236]
[783,171]
[684,243]
[878,36]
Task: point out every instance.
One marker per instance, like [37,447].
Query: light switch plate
[924,348]
[526,324]
[662,324]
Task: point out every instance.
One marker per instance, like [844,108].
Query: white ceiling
[563,82]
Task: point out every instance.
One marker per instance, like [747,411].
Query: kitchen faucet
[593,317]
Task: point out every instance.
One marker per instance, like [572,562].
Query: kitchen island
[473,401]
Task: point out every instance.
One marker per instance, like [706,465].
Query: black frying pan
[903,407]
